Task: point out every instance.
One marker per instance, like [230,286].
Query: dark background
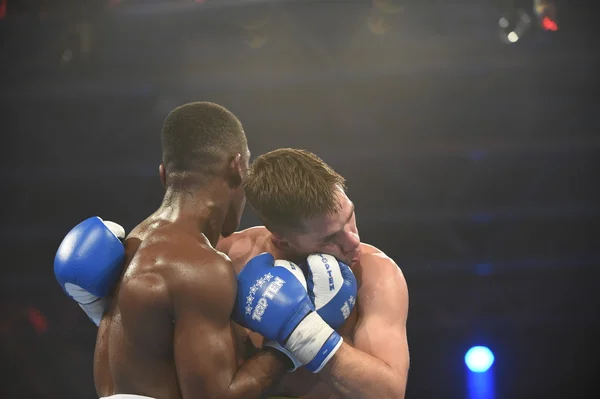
[472,162]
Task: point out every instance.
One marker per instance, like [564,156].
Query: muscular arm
[205,344]
[377,365]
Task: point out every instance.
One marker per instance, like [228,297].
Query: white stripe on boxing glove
[293,268]
[312,338]
[115,228]
[313,342]
[324,278]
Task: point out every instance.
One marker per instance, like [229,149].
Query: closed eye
[328,239]
[331,237]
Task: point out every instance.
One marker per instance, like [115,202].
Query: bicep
[204,355]
[204,345]
[381,328]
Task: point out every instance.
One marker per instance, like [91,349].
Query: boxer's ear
[279,241]
[161,172]
[235,171]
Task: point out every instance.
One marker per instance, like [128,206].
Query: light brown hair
[287,186]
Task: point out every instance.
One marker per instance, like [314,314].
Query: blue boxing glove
[331,287]
[88,263]
[272,300]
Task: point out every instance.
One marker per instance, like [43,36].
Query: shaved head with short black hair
[197,136]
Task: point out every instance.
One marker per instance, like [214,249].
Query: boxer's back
[134,346]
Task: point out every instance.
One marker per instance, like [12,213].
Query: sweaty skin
[365,329]
[167,332]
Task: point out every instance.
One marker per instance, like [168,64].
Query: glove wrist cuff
[313,341]
[331,346]
[293,363]
[115,228]
[95,310]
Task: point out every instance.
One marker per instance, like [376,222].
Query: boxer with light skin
[302,202]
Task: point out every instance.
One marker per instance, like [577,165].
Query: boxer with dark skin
[167,331]
[302,202]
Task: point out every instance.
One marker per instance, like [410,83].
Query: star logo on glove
[268,277]
[248,309]
[345,309]
[352,300]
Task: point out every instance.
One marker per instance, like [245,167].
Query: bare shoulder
[250,234]
[240,246]
[205,286]
[197,271]
[377,271]
[374,258]
[256,231]
[172,265]
[367,249]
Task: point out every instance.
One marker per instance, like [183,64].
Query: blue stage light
[479,359]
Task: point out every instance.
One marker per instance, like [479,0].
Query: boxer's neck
[202,208]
